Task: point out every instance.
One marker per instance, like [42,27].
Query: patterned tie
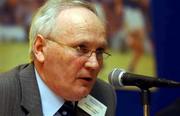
[67,109]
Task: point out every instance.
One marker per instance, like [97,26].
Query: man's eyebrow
[102,44]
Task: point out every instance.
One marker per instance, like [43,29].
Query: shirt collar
[49,100]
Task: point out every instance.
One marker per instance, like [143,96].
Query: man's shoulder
[8,76]
[105,93]
[10,79]
[103,88]
[101,84]
[10,91]
[11,74]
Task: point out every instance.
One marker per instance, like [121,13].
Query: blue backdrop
[166,38]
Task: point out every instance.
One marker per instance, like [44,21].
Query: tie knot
[68,104]
[67,109]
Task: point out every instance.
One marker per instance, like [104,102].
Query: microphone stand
[145,95]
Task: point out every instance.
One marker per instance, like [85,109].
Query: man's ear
[38,48]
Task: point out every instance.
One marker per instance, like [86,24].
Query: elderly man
[67,47]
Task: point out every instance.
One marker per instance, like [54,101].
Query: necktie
[67,109]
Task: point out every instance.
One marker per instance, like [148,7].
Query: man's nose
[92,62]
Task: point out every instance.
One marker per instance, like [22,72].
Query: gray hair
[45,19]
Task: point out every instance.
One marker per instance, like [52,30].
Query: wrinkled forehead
[78,20]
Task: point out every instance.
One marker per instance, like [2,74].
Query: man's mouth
[86,78]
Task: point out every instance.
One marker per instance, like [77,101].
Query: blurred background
[129,42]
[142,36]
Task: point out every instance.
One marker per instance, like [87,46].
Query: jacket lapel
[30,93]
[31,101]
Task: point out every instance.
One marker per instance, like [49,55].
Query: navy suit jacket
[19,94]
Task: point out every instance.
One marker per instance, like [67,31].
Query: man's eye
[82,49]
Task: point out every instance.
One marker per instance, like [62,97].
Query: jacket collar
[30,93]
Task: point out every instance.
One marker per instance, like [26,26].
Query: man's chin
[81,93]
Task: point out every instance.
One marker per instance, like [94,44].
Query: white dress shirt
[49,100]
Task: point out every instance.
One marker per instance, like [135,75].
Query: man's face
[67,73]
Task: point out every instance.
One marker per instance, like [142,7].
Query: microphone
[119,77]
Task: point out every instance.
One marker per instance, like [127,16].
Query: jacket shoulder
[10,91]
[11,77]
[105,93]
[8,80]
